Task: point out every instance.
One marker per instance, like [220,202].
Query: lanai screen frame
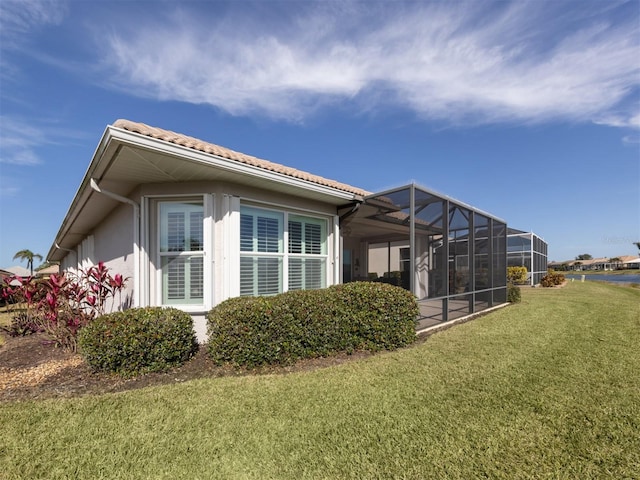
[526,249]
[484,235]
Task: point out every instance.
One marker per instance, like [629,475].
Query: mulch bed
[32,368]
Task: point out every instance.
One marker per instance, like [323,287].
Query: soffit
[134,165]
[124,161]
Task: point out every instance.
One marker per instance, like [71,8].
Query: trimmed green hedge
[253,331]
[138,340]
[513,294]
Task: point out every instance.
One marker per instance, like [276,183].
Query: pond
[626,278]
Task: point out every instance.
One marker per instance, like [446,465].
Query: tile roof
[210,148]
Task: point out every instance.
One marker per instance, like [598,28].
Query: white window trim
[231,247]
[207,252]
[331,237]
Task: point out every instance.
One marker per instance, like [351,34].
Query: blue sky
[527,110]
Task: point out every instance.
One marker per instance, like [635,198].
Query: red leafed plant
[64,303]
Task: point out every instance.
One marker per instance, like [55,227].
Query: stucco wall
[254,193]
[112,240]
[200,326]
[382,256]
[224,249]
[113,245]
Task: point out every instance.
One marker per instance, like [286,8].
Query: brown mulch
[31,367]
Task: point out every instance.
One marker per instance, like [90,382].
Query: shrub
[22,324]
[138,340]
[551,279]
[513,294]
[517,275]
[253,331]
[62,304]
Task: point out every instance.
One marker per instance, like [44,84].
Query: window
[266,266]
[405,259]
[181,252]
[261,251]
[307,253]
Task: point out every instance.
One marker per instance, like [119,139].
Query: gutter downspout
[136,236]
[64,249]
[353,210]
[75,252]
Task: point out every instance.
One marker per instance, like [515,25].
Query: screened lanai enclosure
[526,249]
[450,255]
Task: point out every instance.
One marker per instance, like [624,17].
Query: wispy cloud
[18,20]
[19,17]
[20,140]
[8,187]
[473,62]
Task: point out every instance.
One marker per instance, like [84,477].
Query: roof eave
[114,136]
[222,163]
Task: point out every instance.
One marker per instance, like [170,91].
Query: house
[191,224]
[47,270]
[621,262]
[17,271]
[4,274]
[628,262]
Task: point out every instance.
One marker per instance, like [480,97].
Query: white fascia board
[224,163]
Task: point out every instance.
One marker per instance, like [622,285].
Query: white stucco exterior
[112,240]
[140,173]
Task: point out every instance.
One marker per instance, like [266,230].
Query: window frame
[186,303]
[284,255]
[307,258]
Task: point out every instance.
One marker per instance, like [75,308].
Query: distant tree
[584,256]
[637,244]
[28,255]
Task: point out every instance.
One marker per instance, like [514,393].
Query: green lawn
[549,388]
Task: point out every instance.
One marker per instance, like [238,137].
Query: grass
[548,388]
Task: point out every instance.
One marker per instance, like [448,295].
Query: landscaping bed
[31,367]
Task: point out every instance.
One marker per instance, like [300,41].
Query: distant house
[191,224]
[4,274]
[47,271]
[603,263]
[18,271]
[629,262]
